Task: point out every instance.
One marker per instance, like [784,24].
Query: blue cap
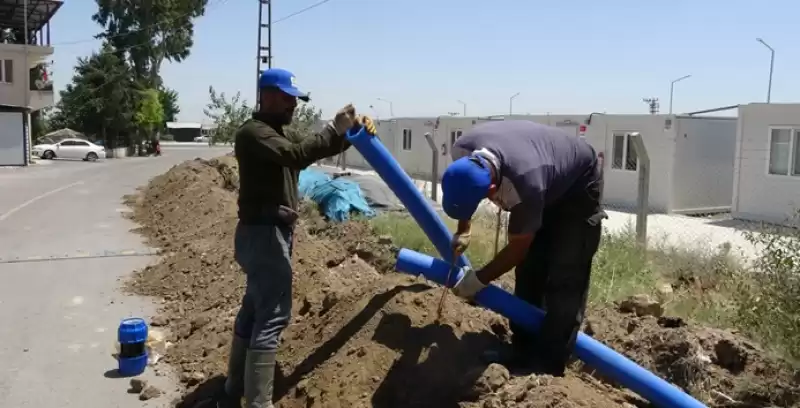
[283,80]
[464,184]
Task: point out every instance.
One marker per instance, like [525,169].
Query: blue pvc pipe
[591,351]
[403,187]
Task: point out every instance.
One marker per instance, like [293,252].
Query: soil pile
[365,336]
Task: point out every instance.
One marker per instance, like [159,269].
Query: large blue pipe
[592,352]
[403,187]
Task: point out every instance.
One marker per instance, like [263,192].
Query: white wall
[759,196]
[702,178]
[12,139]
[621,186]
[14,94]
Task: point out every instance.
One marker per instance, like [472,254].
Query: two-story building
[25,82]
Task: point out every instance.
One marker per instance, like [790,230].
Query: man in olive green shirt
[270,162]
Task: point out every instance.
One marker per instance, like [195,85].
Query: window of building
[406,139]
[784,151]
[624,154]
[454,135]
[6,71]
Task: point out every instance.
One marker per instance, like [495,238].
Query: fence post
[434,167]
[642,199]
[497,231]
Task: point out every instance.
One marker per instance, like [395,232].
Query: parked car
[70,149]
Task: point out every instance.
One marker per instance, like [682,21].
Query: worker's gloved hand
[468,285]
[367,123]
[460,243]
[345,119]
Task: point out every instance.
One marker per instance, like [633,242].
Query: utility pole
[511,104]
[672,90]
[652,104]
[264,52]
[465,107]
[391,106]
[771,67]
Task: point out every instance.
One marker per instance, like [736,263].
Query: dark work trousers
[264,253]
[554,276]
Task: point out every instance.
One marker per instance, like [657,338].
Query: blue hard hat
[283,80]
[464,184]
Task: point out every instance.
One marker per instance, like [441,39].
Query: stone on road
[65,248]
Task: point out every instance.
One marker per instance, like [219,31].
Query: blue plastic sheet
[337,198]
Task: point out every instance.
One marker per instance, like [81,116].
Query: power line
[211,5]
[301,11]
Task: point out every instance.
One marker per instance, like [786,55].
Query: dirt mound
[717,366]
[364,336]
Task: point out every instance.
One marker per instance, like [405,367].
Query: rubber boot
[259,376]
[234,383]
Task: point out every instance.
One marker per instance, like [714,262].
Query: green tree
[304,121]
[169,102]
[100,99]
[226,115]
[147,32]
[40,123]
[149,113]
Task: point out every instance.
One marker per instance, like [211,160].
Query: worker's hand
[460,243]
[468,285]
[345,119]
[367,123]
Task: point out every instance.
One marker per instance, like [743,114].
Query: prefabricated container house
[405,138]
[691,160]
[767,166]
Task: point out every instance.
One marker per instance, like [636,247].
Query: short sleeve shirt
[537,165]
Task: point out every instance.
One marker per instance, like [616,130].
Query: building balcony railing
[40,79]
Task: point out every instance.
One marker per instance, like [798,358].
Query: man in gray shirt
[551,183]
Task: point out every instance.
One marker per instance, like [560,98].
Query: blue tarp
[337,198]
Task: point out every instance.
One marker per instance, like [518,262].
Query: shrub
[769,302]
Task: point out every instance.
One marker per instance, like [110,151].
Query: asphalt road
[64,248]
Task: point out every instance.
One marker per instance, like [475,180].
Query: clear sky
[565,56]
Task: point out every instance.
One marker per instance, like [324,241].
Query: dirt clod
[362,335]
[137,385]
[641,305]
[158,321]
[149,393]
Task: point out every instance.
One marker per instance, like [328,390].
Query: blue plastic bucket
[132,335]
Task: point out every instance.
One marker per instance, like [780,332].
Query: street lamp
[391,107]
[465,107]
[511,103]
[672,90]
[771,67]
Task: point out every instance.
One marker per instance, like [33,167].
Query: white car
[70,149]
